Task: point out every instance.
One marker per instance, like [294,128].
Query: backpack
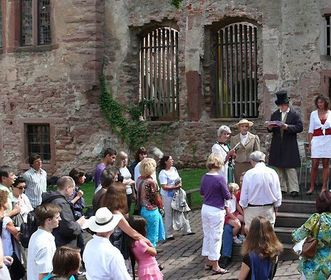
[28,228]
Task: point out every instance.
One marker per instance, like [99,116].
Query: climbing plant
[125,121]
[176,3]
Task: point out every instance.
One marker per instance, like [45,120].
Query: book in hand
[275,123]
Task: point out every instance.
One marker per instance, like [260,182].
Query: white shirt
[284,113]
[103,261]
[41,250]
[222,150]
[36,184]
[260,186]
[24,203]
[231,204]
[168,177]
[243,138]
[126,176]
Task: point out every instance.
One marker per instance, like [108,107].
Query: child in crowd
[233,217]
[144,254]
[66,262]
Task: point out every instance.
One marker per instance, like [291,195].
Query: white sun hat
[103,221]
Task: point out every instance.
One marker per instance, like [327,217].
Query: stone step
[287,219]
[297,206]
[284,234]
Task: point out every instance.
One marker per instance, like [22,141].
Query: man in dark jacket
[284,124]
[69,229]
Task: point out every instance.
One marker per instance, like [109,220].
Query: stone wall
[60,85]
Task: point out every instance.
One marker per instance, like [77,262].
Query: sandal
[220,271]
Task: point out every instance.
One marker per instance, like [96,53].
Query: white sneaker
[241,237]
[236,240]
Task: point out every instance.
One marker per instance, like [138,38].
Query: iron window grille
[158,79]
[38,140]
[237,89]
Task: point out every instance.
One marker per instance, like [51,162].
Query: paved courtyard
[182,259]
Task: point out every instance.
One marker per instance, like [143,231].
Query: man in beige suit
[245,143]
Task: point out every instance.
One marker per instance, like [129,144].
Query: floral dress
[319,267]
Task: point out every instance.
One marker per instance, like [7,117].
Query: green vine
[124,120]
[176,3]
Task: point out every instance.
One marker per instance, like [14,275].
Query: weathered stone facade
[59,85]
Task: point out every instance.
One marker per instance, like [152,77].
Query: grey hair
[157,152]
[223,128]
[257,156]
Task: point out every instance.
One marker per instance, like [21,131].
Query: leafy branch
[176,3]
[125,121]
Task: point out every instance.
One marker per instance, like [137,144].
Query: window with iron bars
[38,140]
[328,34]
[35,22]
[0,24]
[158,79]
[236,63]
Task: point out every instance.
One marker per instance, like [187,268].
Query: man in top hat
[102,260]
[284,152]
[244,143]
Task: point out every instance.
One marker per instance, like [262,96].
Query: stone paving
[182,258]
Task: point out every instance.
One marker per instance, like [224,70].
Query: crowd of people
[240,194]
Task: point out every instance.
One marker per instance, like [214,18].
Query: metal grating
[328,34]
[44,22]
[159,74]
[26,23]
[38,140]
[237,71]
[0,24]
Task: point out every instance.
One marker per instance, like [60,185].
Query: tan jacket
[243,152]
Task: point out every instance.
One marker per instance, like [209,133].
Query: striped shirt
[36,184]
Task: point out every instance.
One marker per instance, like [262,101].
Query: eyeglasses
[21,188]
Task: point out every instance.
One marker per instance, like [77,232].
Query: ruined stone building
[204,64]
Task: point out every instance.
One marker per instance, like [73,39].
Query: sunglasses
[21,188]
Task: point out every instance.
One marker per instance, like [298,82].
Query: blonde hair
[214,161]
[233,187]
[262,239]
[147,167]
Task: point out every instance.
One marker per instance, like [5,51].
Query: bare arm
[42,275]
[12,229]
[151,251]
[244,270]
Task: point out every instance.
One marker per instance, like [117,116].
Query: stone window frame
[14,29]
[49,166]
[323,34]
[210,62]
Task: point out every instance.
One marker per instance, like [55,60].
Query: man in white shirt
[102,260]
[41,247]
[36,180]
[260,193]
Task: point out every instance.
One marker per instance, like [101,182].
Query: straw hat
[103,221]
[244,121]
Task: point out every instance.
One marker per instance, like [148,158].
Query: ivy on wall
[176,3]
[125,121]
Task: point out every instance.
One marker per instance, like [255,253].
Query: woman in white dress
[319,139]
[222,149]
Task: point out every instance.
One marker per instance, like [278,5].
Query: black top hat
[282,97]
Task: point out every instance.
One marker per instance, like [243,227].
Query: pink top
[147,265]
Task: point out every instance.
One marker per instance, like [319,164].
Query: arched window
[237,71]
[158,81]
